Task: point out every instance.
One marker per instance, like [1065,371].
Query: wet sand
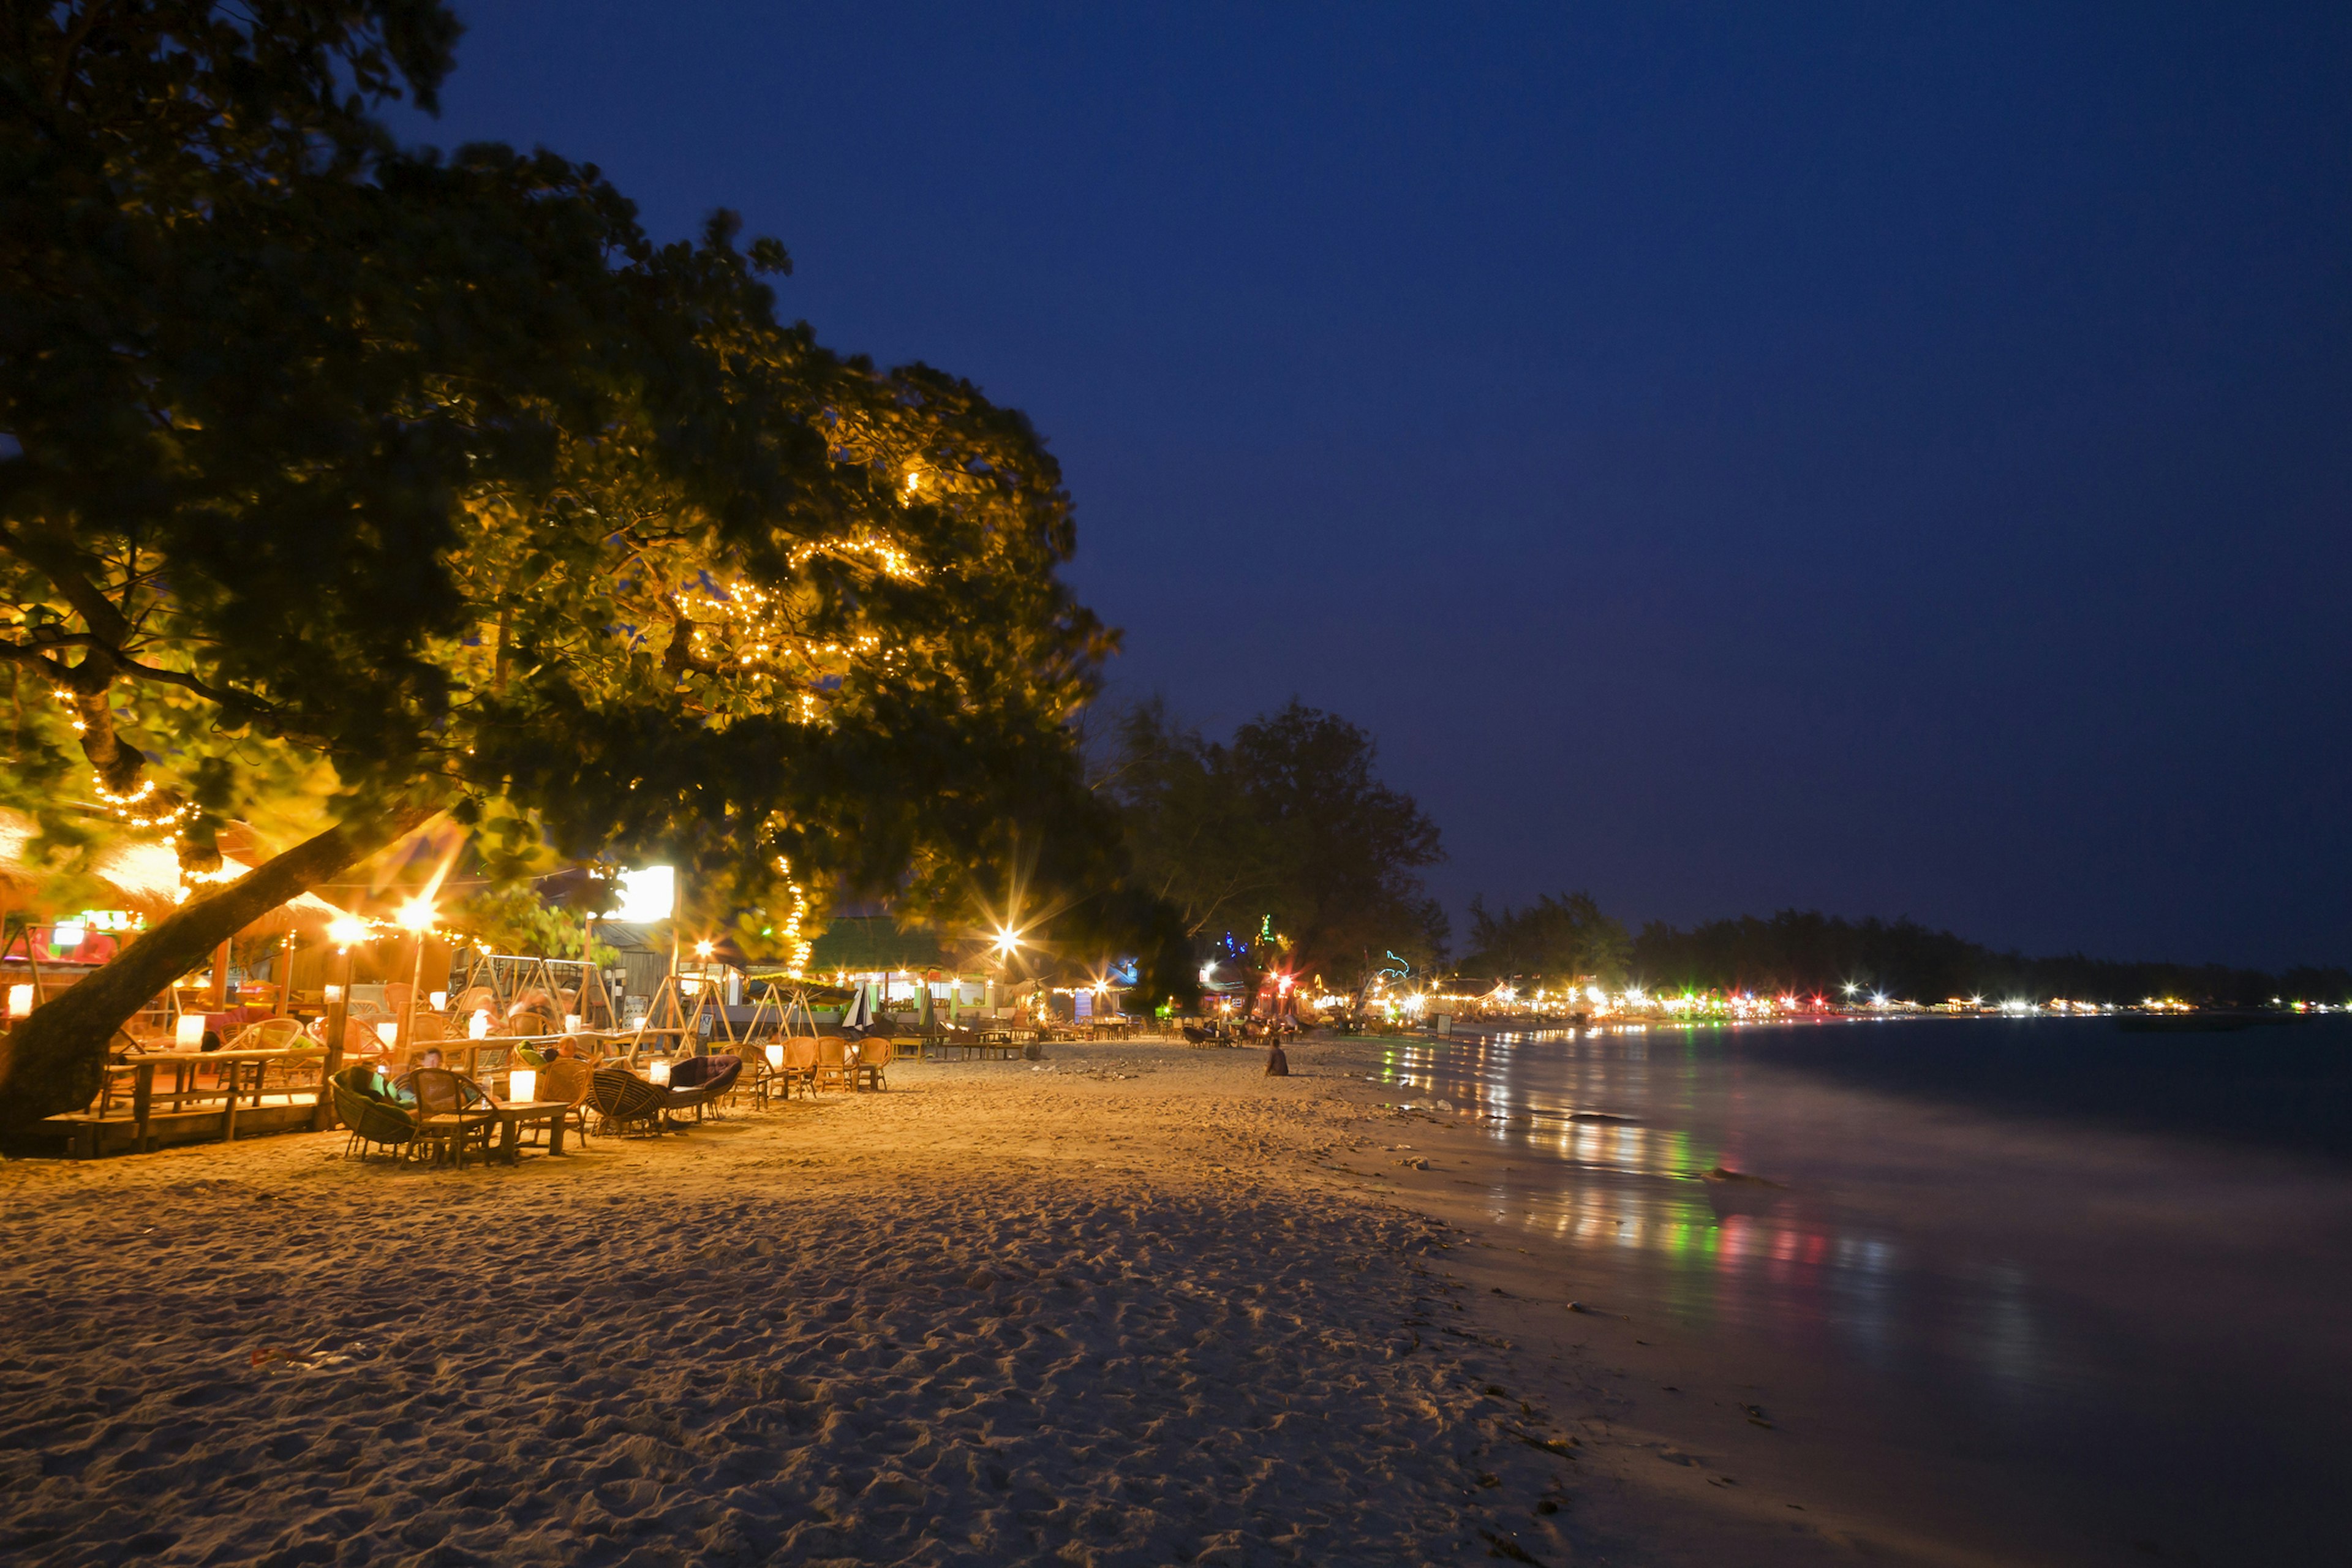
[1137,1304]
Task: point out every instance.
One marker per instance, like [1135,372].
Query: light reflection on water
[2105,1271]
[1851,1254]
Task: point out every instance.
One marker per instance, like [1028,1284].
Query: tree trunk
[53,1061]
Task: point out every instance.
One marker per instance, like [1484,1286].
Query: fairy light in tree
[126,805]
[797,947]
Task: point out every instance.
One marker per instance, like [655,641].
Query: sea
[2083,1293]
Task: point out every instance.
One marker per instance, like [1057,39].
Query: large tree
[1286,830]
[344,486]
[1556,940]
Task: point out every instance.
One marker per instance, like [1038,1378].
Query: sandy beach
[1135,1304]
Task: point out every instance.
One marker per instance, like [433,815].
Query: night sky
[1872,459]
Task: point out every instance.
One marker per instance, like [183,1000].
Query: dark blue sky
[1878,458]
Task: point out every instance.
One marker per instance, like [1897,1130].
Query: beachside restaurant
[315,1016]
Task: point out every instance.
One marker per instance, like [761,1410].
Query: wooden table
[516,1114]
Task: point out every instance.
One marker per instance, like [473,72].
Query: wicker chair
[696,1082]
[801,1054]
[373,1120]
[569,1081]
[623,1101]
[445,1114]
[875,1056]
[831,1063]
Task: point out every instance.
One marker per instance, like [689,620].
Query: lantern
[387,1030]
[775,1057]
[188,1034]
[658,1071]
[522,1084]
[20,1001]
[477,1027]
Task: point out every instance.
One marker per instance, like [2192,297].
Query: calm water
[2091,1291]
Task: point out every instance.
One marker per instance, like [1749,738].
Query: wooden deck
[187,1096]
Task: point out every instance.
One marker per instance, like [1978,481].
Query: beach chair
[831,1063]
[874,1058]
[448,1114]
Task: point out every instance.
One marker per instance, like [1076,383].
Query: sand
[1138,1304]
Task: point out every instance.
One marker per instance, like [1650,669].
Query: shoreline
[1135,1303]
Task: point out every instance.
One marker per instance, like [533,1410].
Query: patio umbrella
[861,1011]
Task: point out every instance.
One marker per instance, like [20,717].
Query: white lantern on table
[658,1071]
[775,1057]
[188,1034]
[522,1084]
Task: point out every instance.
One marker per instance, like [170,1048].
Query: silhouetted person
[1277,1064]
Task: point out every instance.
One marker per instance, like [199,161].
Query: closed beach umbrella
[861,1010]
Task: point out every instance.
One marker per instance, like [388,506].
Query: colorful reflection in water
[2085,1264]
[1609,1135]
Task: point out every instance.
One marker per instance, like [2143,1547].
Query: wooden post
[339,1015]
[217,997]
[409,1014]
[228,1116]
[285,967]
[143,1105]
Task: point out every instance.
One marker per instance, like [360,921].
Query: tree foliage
[1553,940]
[1811,953]
[1285,826]
[347,484]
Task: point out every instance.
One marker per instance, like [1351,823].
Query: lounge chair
[697,1082]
